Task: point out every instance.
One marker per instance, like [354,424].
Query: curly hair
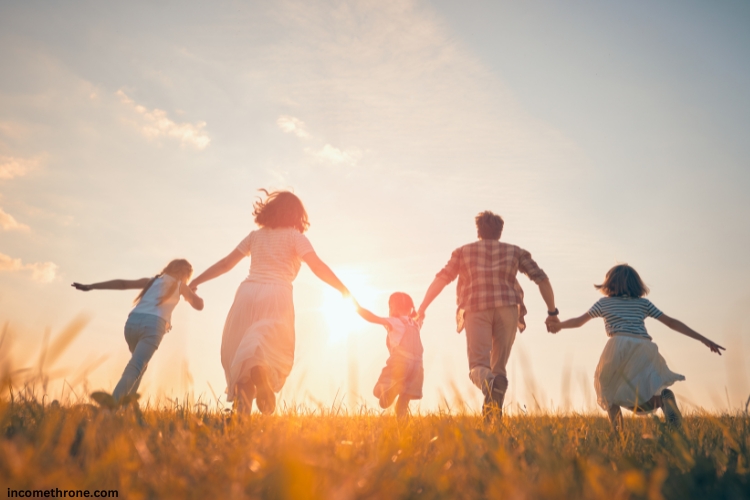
[281,209]
[623,281]
[489,225]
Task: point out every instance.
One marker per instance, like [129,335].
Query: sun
[340,314]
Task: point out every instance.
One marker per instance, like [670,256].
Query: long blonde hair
[176,267]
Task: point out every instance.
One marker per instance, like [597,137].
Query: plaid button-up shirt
[486,271]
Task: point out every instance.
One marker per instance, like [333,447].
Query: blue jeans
[143,333]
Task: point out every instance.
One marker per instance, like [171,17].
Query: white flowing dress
[631,370]
[259,330]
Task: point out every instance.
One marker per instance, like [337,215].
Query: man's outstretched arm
[433,291]
[548,295]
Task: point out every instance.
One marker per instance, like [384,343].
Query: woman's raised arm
[322,271]
[221,267]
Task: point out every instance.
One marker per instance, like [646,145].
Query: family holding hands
[257,349]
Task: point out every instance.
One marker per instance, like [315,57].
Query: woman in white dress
[257,347]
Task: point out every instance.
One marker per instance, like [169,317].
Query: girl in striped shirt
[631,372]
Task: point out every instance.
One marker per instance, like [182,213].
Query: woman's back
[275,254]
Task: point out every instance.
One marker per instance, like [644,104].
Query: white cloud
[334,156]
[11,167]
[155,123]
[43,272]
[9,223]
[292,125]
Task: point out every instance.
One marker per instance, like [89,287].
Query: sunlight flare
[341,314]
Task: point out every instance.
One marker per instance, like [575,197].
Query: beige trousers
[489,337]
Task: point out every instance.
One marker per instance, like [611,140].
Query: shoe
[494,395]
[129,399]
[670,409]
[104,399]
[388,396]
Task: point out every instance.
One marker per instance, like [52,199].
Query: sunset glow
[341,314]
[135,133]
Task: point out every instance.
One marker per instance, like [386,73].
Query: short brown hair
[281,209]
[489,225]
[623,281]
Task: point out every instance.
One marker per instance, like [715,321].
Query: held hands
[81,287]
[420,315]
[553,324]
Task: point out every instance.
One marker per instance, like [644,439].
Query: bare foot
[615,418]
[243,402]
[266,399]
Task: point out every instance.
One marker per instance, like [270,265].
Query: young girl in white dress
[147,323]
[257,347]
[631,372]
[403,375]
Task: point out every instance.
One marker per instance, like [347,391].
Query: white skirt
[630,372]
[259,331]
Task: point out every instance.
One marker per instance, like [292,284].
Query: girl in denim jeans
[147,323]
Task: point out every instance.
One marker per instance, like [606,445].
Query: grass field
[181,452]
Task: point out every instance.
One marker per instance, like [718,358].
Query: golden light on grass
[190,449]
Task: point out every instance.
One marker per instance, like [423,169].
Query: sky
[132,134]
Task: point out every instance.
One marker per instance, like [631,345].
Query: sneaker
[388,396]
[670,409]
[104,399]
[494,395]
[129,399]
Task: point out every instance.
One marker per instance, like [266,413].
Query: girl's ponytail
[145,288]
[177,266]
[403,301]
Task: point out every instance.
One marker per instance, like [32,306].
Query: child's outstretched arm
[191,297]
[570,323]
[113,285]
[681,327]
[370,317]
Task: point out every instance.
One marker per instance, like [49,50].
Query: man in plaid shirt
[490,304]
